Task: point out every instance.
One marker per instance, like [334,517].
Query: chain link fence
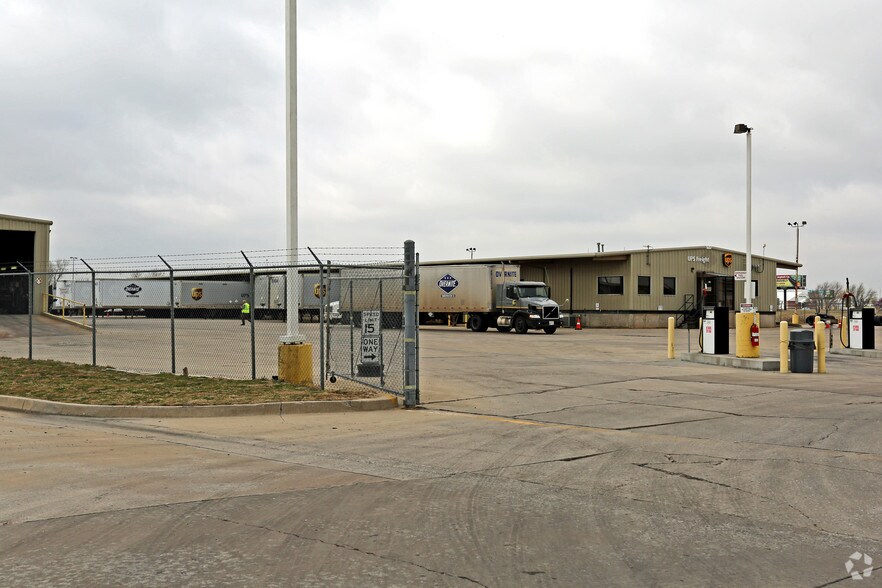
[224,316]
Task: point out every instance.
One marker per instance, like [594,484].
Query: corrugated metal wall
[576,278]
[40,228]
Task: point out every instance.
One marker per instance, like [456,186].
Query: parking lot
[582,458]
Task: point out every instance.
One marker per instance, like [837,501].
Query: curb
[33,405]
[762,364]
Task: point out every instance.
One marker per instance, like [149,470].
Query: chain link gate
[370,326]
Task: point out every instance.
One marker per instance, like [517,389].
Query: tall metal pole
[748,286]
[293,283]
[797,225]
[411,330]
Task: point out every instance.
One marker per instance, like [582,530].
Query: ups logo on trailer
[196,293]
[727,259]
[320,290]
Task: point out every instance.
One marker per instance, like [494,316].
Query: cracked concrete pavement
[579,459]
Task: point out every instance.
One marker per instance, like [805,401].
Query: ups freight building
[24,247]
[642,288]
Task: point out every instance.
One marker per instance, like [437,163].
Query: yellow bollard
[743,322]
[295,363]
[821,344]
[670,337]
[785,345]
[794,320]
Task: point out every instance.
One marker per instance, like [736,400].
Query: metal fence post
[171,308]
[30,313]
[253,314]
[323,300]
[94,313]
[382,363]
[351,331]
[411,287]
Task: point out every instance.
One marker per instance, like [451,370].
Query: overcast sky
[517,128]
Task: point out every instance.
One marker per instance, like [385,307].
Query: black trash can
[802,351]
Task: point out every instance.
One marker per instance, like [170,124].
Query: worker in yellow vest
[246,312]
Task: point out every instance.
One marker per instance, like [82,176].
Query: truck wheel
[477,323]
[520,325]
[550,330]
[502,329]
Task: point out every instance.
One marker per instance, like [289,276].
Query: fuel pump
[715,331]
[861,331]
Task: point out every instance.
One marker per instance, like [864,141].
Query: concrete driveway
[579,459]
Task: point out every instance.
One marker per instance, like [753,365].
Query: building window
[670,286]
[610,285]
[644,285]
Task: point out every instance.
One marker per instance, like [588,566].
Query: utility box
[715,330]
[802,351]
[861,328]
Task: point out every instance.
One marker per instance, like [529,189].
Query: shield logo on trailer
[196,293]
[727,259]
[448,283]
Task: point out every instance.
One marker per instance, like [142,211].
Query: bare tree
[825,296]
[864,296]
[57,268]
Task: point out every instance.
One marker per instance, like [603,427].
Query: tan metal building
[24,247]
[642,288]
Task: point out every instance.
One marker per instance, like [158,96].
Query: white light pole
[748,286]
[292,277]
[471,251]
[797,225]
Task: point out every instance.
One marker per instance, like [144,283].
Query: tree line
[829,296]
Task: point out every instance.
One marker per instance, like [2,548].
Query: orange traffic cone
[578,323]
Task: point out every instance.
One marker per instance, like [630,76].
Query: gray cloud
[144,127]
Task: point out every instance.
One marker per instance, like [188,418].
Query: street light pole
[748,286]
[471,251]
[292,297]
[797,225]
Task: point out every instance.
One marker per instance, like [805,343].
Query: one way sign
[370,349]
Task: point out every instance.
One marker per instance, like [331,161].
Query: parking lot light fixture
[741,129]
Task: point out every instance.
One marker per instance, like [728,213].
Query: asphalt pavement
[585,458]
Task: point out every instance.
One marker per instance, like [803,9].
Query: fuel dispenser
[861,331]
[715,330]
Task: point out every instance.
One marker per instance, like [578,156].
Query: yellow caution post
[670,337]
[821,344]
[784,347]
[295,363]
[743,323]
[794,320]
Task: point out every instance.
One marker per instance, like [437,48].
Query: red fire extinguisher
[754,335]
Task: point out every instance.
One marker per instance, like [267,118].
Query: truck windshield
[532,292]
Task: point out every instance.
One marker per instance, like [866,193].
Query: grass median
[84,384]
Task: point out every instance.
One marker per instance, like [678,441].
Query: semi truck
[492,295]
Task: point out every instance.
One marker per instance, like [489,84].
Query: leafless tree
[864,296]
[57,269]
[825,296]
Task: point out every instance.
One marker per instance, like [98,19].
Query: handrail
[64,304]
[687,308]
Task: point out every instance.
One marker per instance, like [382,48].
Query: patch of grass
[84,384]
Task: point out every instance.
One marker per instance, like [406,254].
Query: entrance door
[715,290]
